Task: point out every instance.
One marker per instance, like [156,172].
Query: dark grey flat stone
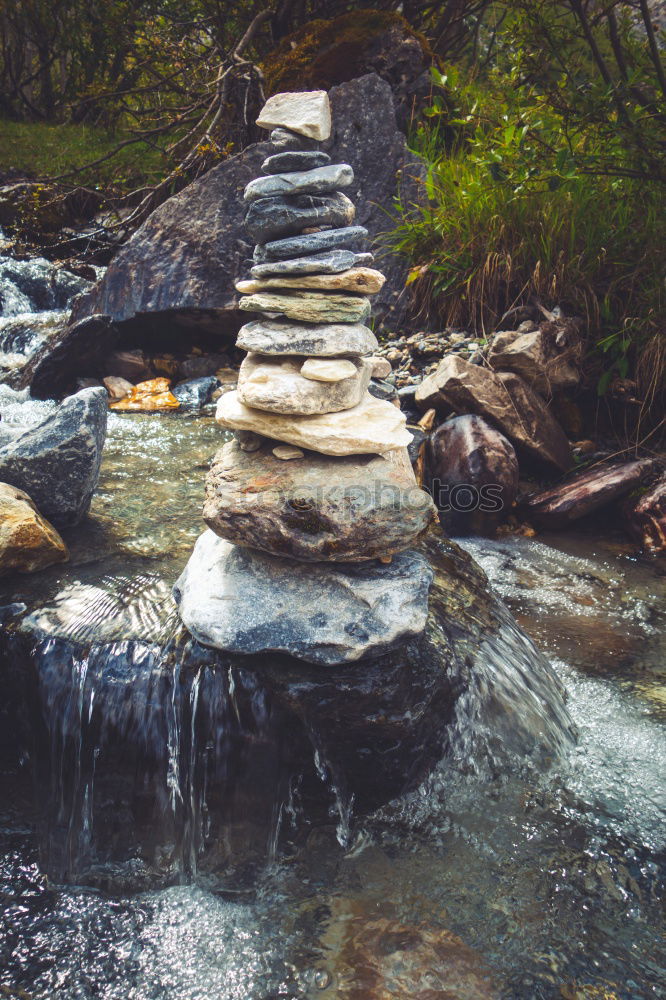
[269,218]
[283,138]
[321,180]
[244,601]
[333,262]
[279,163]
[347,238]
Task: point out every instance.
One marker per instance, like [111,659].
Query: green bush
[518,214]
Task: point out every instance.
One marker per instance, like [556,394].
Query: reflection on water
[502,883]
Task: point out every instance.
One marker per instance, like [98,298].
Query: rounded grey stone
[320,180]
[296,160]
[323,340]
[345,238]
[269,218]
[333,262]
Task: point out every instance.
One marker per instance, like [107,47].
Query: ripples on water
[544,882]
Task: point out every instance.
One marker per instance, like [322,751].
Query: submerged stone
[147,397]
[243,601]
[333,509]
[345,238]
[331,262]
[266,336]
[275,384]
[319,180]
[290,160]
[364,280]
[310,307]
[372,427]
[307,113]
[269,218]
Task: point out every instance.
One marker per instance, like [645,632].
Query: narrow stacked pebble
[318,471]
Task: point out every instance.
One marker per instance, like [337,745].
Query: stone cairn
[313,506]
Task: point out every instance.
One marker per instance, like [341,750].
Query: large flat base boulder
[316,508]
[243,601]
[57,463]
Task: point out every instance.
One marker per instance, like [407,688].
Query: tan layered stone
[277,385]
[310,307]
[365,280]
[328,370]
[307,113]
[372,427]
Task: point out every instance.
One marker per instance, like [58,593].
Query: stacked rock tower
[313,506]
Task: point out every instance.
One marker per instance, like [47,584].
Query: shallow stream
[493,879]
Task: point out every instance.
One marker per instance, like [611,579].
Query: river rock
[381,367]
[331,262]
[338,509]
[504,400]
[287,452]
[275,384]
[57,462]
[266,336]
[473,474]
[307,114]
[364,280]
[181,264]
[284,139]
[323,370]
[195,392]
[147,397]
[646,517]
[372,427]
[309,244]
[245,601]
[310,307]
[268,218]
[27,541]
[585,492]
[546,358]
[296,159]
[320,180]
[117,387]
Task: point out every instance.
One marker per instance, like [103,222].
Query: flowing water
[495,877]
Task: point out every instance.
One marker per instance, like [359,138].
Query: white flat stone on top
[307,113]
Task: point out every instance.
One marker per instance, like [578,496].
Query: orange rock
[28,542]
[148,397]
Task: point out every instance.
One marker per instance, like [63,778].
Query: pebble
[322,370]
[287,452]
[248,440]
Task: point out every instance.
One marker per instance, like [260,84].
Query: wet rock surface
[339,509]
[247,602]
[57,463]
[466,455]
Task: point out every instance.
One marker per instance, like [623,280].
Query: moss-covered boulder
[324,53]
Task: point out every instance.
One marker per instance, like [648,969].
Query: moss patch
[323,53]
